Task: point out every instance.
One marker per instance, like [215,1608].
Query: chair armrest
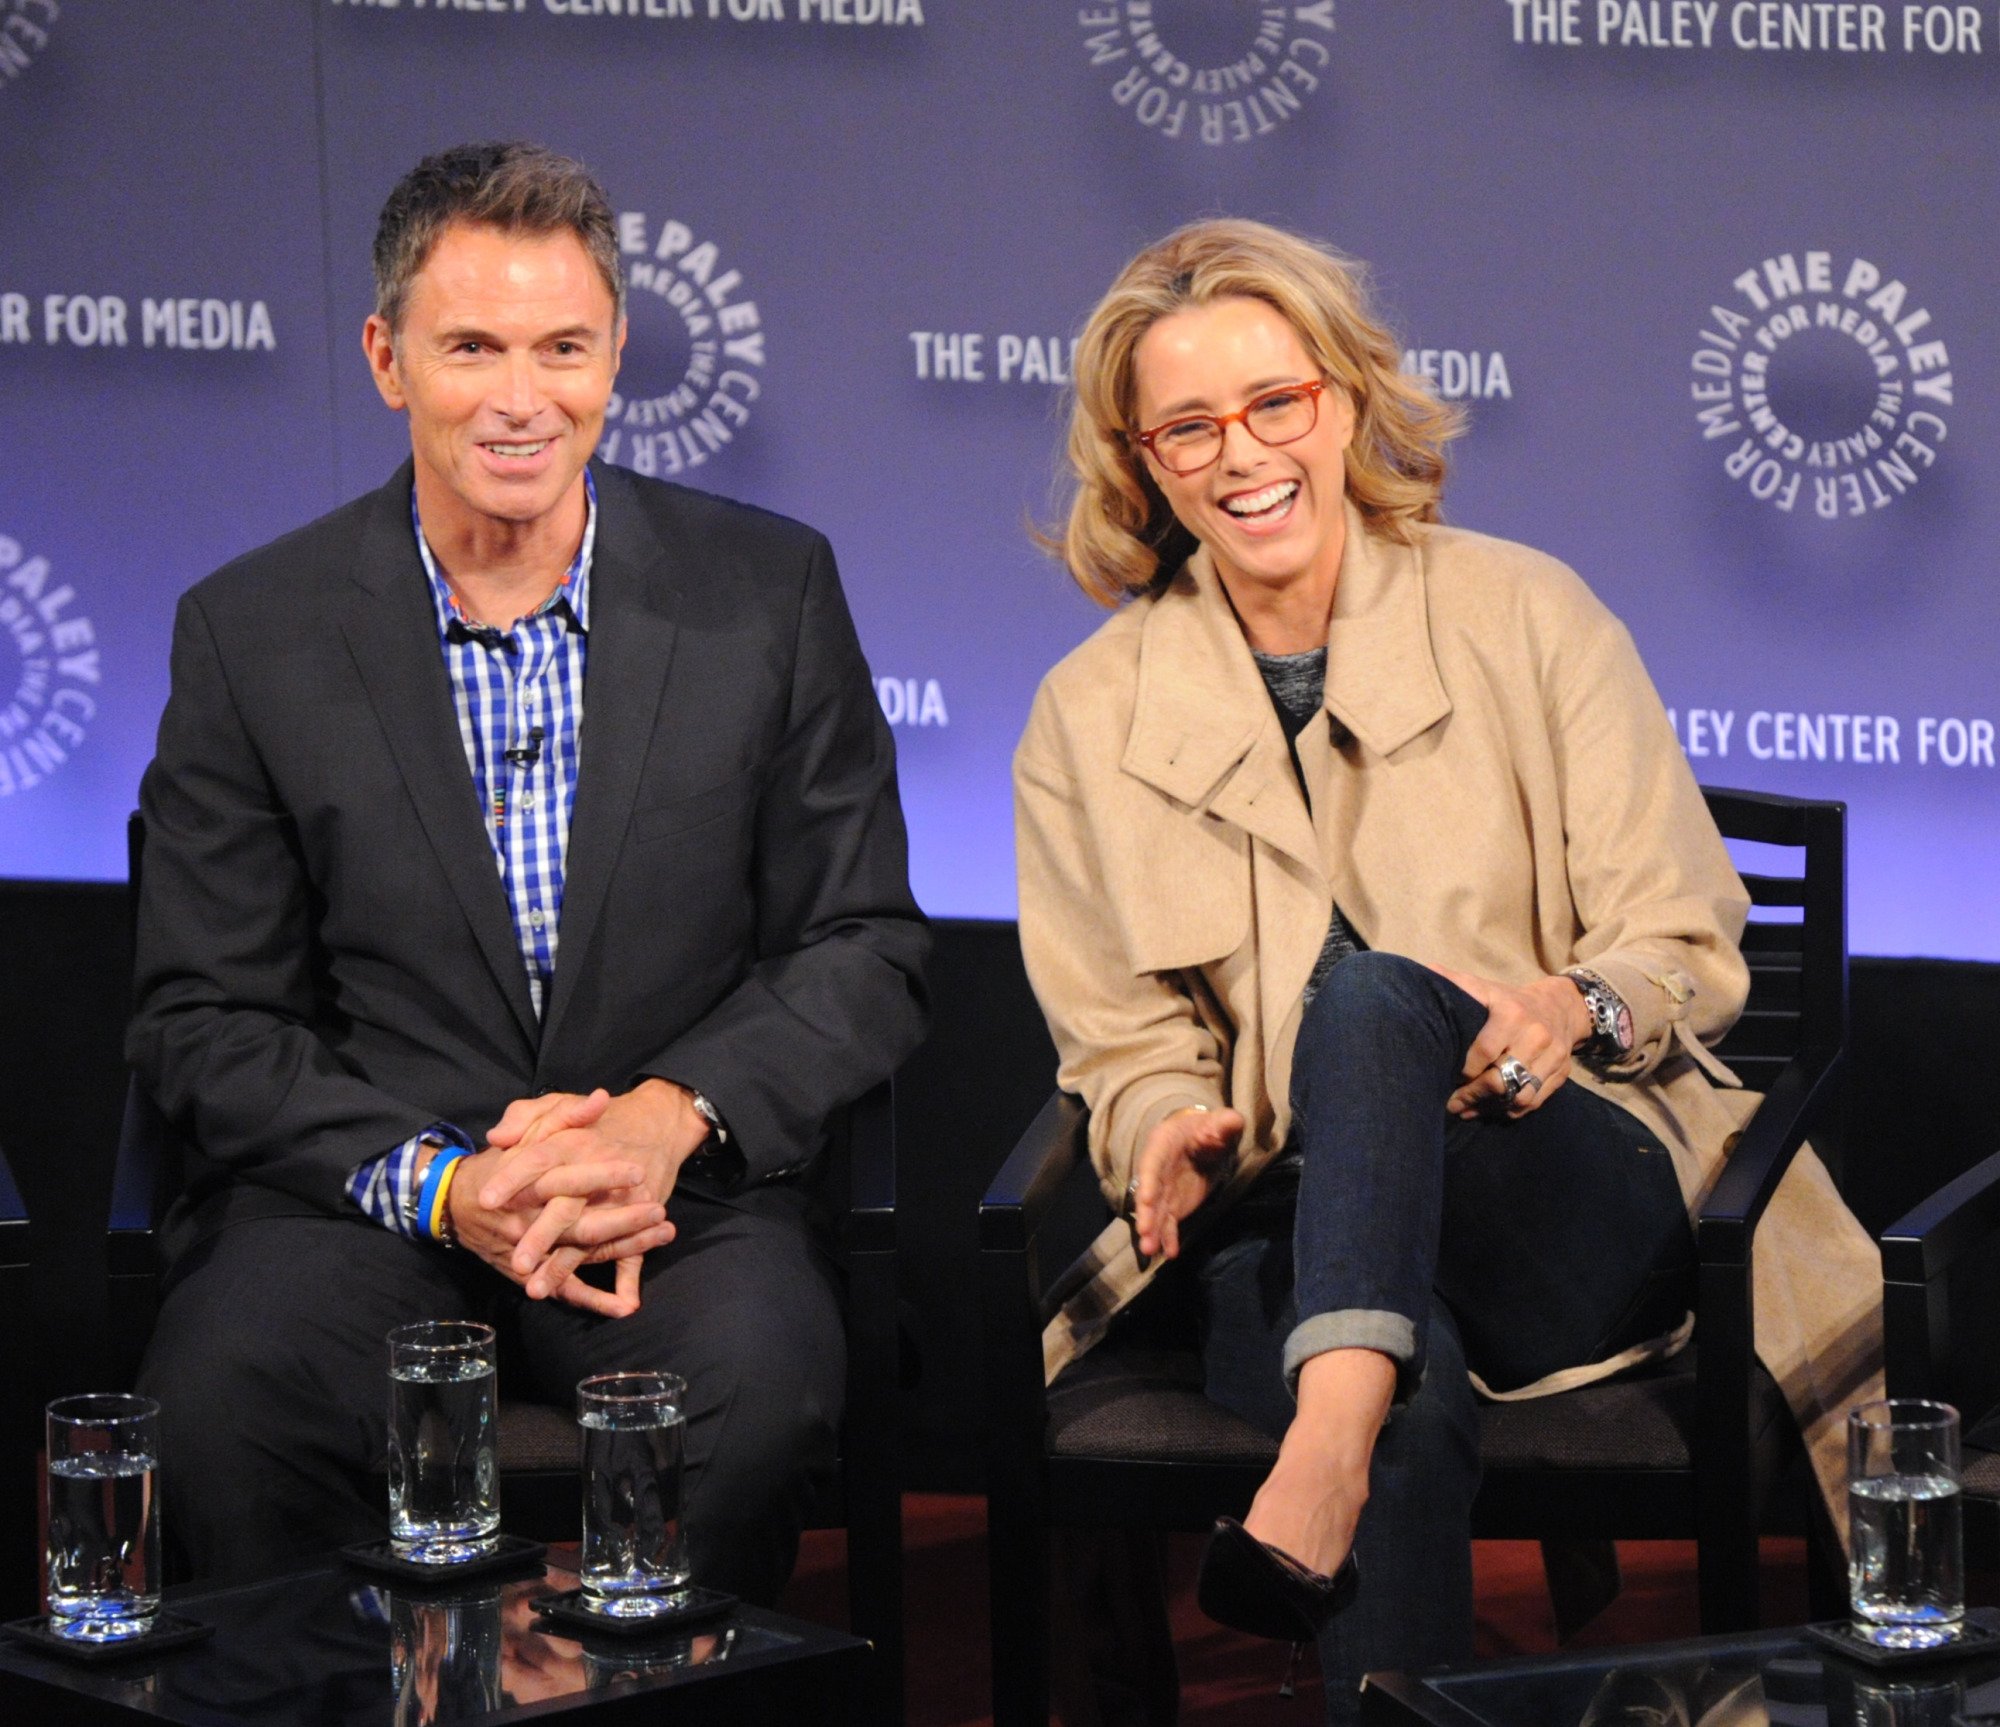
[14,1254]
[141,1182]
[1924,1243]
[11,1208]
[1765,1151]
[871,1171]
[1917,1250]
[1018,1200]
[1010,1220]
[1726,1360]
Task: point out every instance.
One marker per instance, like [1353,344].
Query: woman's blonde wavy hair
[1120,538]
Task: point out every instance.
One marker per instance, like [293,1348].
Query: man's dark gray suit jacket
[326,964]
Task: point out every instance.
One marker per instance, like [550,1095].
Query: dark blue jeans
[1514,1247]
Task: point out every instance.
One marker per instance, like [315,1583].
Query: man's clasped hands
[568,1180]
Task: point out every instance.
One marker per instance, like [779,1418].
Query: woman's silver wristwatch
[1610,1039]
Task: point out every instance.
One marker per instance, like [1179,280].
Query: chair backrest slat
[1795,943]
[1768,890]
[1773,944]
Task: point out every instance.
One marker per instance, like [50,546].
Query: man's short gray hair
[517,188]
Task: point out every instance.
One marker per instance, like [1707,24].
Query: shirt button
[535,919]
[527,800]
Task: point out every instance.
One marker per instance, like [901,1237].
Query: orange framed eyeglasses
[1189,442]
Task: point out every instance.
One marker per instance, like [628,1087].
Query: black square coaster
[694,1607]
[512,1553]
[1973,1641]
[170,1631]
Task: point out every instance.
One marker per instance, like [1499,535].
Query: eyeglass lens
[1280,417]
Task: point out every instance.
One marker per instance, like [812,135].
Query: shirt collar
[572,591]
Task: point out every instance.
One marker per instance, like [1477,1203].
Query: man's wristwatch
[1610,1039]
[716,1160]
[718,1131]
[413,1214]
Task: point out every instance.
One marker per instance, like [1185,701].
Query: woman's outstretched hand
[1173,1173]
[1538,1025]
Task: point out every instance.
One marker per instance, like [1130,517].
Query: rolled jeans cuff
[1387,1333]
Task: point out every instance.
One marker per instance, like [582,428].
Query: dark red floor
[1228,1680]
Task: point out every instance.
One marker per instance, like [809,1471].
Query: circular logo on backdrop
[694,353]
[24,33]
[1216,71]
[54,695]
[1824,384]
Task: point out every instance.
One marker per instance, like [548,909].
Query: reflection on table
[461,1656]
[329,1647]
[1772,1679]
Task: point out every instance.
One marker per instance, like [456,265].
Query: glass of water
[444,1468]
[104,1516]
[634,1549]
[1906,1565]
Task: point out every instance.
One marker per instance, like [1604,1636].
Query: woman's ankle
[1344,1396]
[1307,1515]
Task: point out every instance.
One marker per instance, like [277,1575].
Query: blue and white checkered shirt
[518,694]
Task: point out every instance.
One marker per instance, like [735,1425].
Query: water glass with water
[104,1516]
[1906,1566]
[634,1549]
[444,1467]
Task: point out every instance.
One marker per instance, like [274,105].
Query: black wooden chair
[1125,1439]
[1940,1288]
[20,1411]
[540,1448]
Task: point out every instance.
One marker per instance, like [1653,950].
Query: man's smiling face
[504,362]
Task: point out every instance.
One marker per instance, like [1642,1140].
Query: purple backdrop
[1710,276]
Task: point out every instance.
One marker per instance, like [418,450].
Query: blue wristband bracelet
[428,1193]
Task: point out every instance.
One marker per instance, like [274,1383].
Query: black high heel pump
[1251,1587]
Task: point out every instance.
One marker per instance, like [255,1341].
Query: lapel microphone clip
[527,754]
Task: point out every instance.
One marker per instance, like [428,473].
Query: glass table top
[330,1647]
[1766,1679]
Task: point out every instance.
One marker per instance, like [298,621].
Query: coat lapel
[392,636]
[1382,679]
[1204,732]
[634,600]
[1203,728]
[1383,686]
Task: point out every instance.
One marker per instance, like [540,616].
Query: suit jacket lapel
[392,635]
[633,603]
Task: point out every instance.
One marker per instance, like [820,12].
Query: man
[524,886]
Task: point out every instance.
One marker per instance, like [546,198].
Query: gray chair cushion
[1641,1422]
[1979,1473]
[538,1436]
[1637,1421]
[1147,1405]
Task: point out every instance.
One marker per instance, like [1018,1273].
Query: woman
[1381,924]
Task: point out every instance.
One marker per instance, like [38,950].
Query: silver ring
[1514,1075]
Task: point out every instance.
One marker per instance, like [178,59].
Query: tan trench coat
[1506,798]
